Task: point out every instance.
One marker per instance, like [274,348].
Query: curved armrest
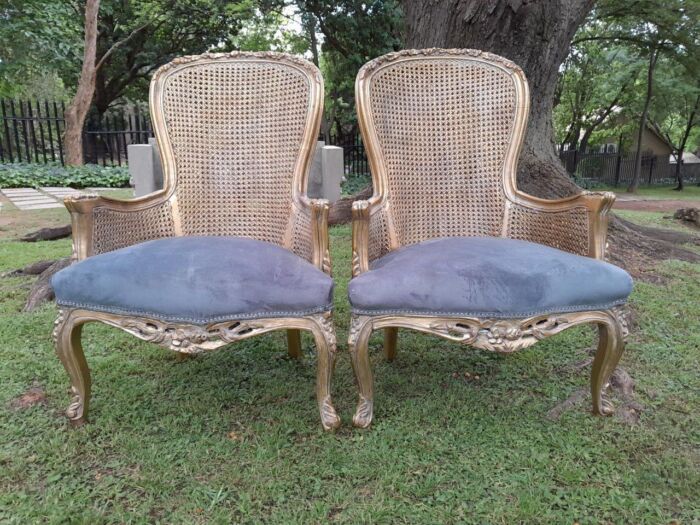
[360,237]
[320,246]
[370,233]
[577,224]
[101,224]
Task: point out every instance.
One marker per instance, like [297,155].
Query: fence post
[651,167]
[7,130]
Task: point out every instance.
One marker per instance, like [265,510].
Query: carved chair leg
[294,343]
[390,337]
[67,334]
[358,342]
[324,334]
[611,344]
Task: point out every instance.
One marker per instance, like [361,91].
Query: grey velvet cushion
[196,280]
[486,277]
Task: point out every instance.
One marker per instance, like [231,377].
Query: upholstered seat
[199,280]
[486,277]
[447,244]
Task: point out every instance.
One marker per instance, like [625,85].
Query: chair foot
[611,344]
[294,343]
[363,413]
[324,334]
[358,342]
[390,337]
[67,332]
[181,357]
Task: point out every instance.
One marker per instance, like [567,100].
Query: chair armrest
[370,233]
[577,224]
[101,224]
[360,237]
[320,245]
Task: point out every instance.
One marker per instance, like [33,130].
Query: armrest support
[101,224]
[577,224]
[360,237]
[320,246]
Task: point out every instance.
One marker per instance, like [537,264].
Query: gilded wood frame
[192,339]
[496,335]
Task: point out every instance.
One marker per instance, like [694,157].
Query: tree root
[42,291]
[48,234]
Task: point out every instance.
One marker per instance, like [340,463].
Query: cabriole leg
[390,337]
[611,344]
[67,334]
[294,343]
[358,342]
[324,334]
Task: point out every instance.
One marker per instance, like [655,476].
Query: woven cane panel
[114,229]
[443,127]
[566,230]
[302,236]
[236,130]
[378,235]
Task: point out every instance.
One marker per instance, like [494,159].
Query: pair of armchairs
[232,247]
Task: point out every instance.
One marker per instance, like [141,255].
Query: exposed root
[42,291]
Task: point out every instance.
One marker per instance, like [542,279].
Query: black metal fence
[32,132]
[617,169]
[354,154]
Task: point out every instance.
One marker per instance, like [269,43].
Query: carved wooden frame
[192,339]
[496,335]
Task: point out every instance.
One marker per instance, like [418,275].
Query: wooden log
[48,234]
[31,269]
[42,291]
[691,215]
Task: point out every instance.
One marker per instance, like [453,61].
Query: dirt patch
[34,395]
[653,205]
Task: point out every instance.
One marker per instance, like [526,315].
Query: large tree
[534,34]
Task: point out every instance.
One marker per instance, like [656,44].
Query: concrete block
[333,166]
[145,168]
[314,188]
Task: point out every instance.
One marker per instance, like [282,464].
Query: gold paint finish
[577,224]
[101,224]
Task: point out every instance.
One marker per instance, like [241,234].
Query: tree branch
[120,43]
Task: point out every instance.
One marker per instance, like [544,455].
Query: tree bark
[534,34]
[77,110]
[689,125]
[634,184]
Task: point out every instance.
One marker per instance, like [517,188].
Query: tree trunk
[689,125]
[77,110]
[534,34]
[634,184]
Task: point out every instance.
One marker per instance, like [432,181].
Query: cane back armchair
[231,247]
[447,245]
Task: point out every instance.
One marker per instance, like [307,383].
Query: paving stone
[41,206]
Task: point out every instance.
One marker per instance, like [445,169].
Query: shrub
[88,176]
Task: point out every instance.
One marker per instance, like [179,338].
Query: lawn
[690,192]
[233,435]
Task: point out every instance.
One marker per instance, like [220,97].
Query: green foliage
[354,33]
[40,41]
[37,175]
[233,435]
[609,61]
[355,183]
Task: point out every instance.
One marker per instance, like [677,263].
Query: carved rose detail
[189,338]
[498,335]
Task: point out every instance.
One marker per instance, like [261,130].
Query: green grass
[690,192]
[656,219]
[233,436]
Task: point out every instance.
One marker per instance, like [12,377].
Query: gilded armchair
[447,245]
[231,247]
